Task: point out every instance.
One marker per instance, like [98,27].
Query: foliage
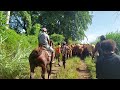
[57,38]
[22,20]
[2,19]
[91,67]
[14,52]
[114,36]
[35,29]
[11,41]
[27,20]
[71,24]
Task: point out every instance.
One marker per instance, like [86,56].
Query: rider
[44,40]
[97,46]
[107,67]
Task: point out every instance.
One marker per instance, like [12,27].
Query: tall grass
[14,52]
[91,67]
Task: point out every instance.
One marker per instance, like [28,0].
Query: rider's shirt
[58,49]
[43,38]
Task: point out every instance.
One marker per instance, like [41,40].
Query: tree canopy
[71,24]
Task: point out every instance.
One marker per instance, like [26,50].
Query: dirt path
[55,70]
[83,72]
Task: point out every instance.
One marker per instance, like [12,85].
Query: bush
[35,29]
[114,36]
[2,19]
[14,53]
[57,38]
[91,67]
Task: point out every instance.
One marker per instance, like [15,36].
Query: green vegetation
[91,67]
[16,46]
[114,36]
[70,71]
[57,38]
[14,52]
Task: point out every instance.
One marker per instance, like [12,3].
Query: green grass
[91,67]
[70,71]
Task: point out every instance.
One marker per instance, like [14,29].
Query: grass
[91,67]
[70,71]
[17,66]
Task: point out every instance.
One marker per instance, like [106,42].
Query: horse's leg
[43,71]
[32,67]
[50,69]
[50,65]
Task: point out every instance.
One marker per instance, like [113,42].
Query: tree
[35,29]
[71,24]
[20,20]
[2,19]
[57,38]
[7,21]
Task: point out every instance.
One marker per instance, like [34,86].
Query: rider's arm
[96,48]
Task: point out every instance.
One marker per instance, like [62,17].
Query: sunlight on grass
[91,67]
[70,71]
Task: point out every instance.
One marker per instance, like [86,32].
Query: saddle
[41,48]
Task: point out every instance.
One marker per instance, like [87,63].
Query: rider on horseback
[44,40]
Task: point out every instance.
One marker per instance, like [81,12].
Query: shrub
[14,53]
[57,38]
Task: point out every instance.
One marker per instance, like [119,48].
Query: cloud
[91,38]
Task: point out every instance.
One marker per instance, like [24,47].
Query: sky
[103,22]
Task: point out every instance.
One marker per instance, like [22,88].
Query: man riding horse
[40,56]
[44,40]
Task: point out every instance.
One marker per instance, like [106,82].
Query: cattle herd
[80,50]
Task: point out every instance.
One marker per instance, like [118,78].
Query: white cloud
[91,38]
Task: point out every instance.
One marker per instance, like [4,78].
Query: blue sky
[102,22]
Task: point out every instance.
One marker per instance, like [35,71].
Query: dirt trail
[83,72]
[55,70]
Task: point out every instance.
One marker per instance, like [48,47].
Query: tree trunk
[7,21]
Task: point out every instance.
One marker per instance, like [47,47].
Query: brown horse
[40,57]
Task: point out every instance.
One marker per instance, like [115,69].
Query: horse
[40,57]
